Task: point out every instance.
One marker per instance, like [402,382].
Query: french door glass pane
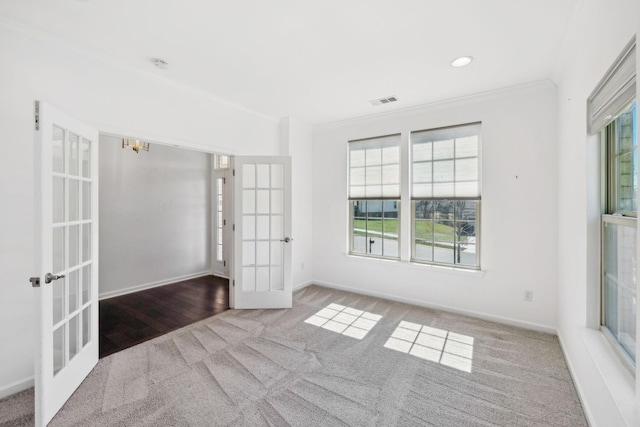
[58,150]
[74,284]
[58,199]
[74,245]
[85,158]
[74,326]
[86,283]
[86,200]
[58,349]
[58,250]
[58,300]
[73,154]
[619,296]
[86,242]
[86,326]
[74,199]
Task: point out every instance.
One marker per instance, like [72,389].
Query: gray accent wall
[155,210]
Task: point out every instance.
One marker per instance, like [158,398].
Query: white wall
[155,216]
[297,142]
[518,220]
[114,100]
[599,32]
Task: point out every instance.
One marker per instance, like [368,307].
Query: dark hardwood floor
[130,319]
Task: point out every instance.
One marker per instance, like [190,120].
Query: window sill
[420,266]
[619,381]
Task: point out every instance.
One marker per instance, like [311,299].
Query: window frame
[478,200]
[380,198]
[610,214]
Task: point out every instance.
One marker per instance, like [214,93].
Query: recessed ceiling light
[160,63]
[462,61]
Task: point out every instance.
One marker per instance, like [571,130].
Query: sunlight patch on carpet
[347,321]
[433,344]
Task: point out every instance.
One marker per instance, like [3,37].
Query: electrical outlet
[528,295]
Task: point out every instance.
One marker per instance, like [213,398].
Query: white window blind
[445,163]
[614,92]
[374,168]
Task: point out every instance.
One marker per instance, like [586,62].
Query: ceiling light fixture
[135,145]
[462,61]
[161,64]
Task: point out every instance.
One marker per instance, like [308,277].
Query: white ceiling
[317,60]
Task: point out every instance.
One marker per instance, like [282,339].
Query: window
[220,222]
[374,196]
[612,113]
[620,140]
[445,191]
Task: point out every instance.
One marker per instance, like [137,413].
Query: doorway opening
[165,244]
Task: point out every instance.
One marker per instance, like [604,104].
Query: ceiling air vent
[382,101]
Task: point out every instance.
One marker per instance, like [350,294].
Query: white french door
[67,260]
[262,239]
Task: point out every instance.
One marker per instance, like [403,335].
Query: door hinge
[234,283]
[234,172]
[234,227]
[35,282]
[224,180]
[37,115]
[224,263]
[224,222]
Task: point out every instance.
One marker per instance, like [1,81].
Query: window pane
[390,229]
[467,147]
[422,152]
[359,227]
[445,232]
[422,172]
[448,159]
[374,166]
[619,296]
[373,156]
[375,228]
[626,165]
[443,149]
[443,240]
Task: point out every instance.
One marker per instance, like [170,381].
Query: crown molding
[435,104]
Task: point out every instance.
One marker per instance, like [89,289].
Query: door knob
[48,278]
[286,240]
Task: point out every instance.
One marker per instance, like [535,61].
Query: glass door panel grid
[262,227]
[72,243]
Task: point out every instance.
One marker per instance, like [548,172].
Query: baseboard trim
[302,285]
[476,314]
[150,285]
[15,387]
[578,383]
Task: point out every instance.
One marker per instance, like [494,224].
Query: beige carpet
[334,359]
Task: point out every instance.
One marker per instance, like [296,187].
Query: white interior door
[67,234]
[262,239]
